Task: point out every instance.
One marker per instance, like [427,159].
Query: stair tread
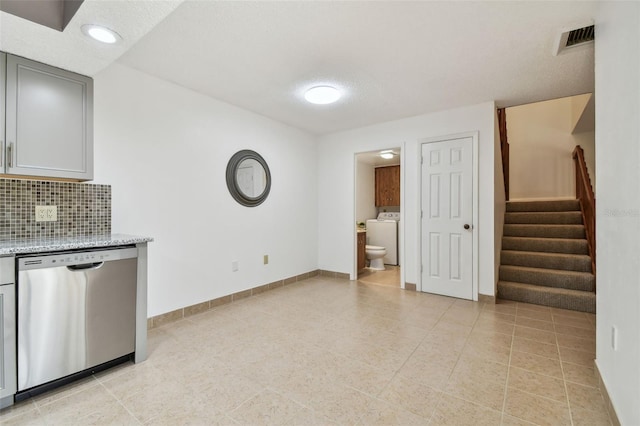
[536,230]
[556,290]
[550,225]
[545,270]
[549,254]
[563,213]
[557,217]
[577,300]
[548,260]
[547,238]
[544,205]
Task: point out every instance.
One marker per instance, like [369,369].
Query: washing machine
[383,232]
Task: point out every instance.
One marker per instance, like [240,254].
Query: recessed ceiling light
[102,34]
[322,95]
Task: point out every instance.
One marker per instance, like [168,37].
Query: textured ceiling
[393,59]
[70,49]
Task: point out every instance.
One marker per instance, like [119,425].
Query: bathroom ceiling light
[322,95]
[387,155]
[100,33]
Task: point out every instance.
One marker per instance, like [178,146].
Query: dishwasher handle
[85,266]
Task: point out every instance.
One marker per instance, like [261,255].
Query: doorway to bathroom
[378,197]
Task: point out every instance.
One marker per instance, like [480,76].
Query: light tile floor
[389,277]
[327,351]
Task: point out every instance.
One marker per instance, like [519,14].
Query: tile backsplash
[83,209]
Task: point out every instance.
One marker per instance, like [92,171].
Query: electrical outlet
[265,260]
[234,266]
[46,213]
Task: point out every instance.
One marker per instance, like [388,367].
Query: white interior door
[447,213]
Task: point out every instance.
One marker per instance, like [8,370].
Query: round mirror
[248,178]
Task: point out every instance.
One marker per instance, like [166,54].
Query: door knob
[467,226]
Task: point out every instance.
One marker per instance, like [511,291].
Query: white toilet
[376,254]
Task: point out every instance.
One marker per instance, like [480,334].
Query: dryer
[383,232]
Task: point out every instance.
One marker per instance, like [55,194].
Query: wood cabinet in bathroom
[388,186]
[362,256]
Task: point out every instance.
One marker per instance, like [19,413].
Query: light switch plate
[265,260]
[46,213]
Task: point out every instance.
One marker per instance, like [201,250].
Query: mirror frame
[232,181]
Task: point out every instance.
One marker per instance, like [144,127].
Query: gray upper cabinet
[49,121]
[3,79]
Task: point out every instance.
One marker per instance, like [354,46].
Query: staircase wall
[541,145]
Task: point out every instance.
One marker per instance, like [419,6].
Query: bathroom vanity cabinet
[388,186]
[362,242]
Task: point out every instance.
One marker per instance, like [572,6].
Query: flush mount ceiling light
[100,33]
[387,155]
[322,95]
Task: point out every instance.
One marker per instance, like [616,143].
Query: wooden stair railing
[504,147]
[584,193]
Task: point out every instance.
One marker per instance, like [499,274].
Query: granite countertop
[68,243]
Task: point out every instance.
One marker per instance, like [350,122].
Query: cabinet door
[362,241]
[388,186]
[3,78]
[382,186]
[7,344]
[394,186]
[49,121]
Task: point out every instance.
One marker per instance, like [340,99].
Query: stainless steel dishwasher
[76,310]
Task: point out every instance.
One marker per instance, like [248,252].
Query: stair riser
[544,231]
[532,260]
[560,218]
[545,245]
[543,206]
[583,303]
[548,278]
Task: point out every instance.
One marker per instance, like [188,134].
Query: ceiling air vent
[572,38]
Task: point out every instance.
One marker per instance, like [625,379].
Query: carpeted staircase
[545,257]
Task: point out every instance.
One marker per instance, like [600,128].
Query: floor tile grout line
[566,389]
[506,384]
[411,354]
[486,407]
[121,403]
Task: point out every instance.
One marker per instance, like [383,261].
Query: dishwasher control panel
[74,258]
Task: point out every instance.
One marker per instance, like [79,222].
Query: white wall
[541,144]
[365,191]
[617,71]
[164,150]
[336,184]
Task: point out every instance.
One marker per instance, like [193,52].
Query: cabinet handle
[10,155]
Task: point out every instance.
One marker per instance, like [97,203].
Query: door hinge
[421,268]
[422,160]
[421,214]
